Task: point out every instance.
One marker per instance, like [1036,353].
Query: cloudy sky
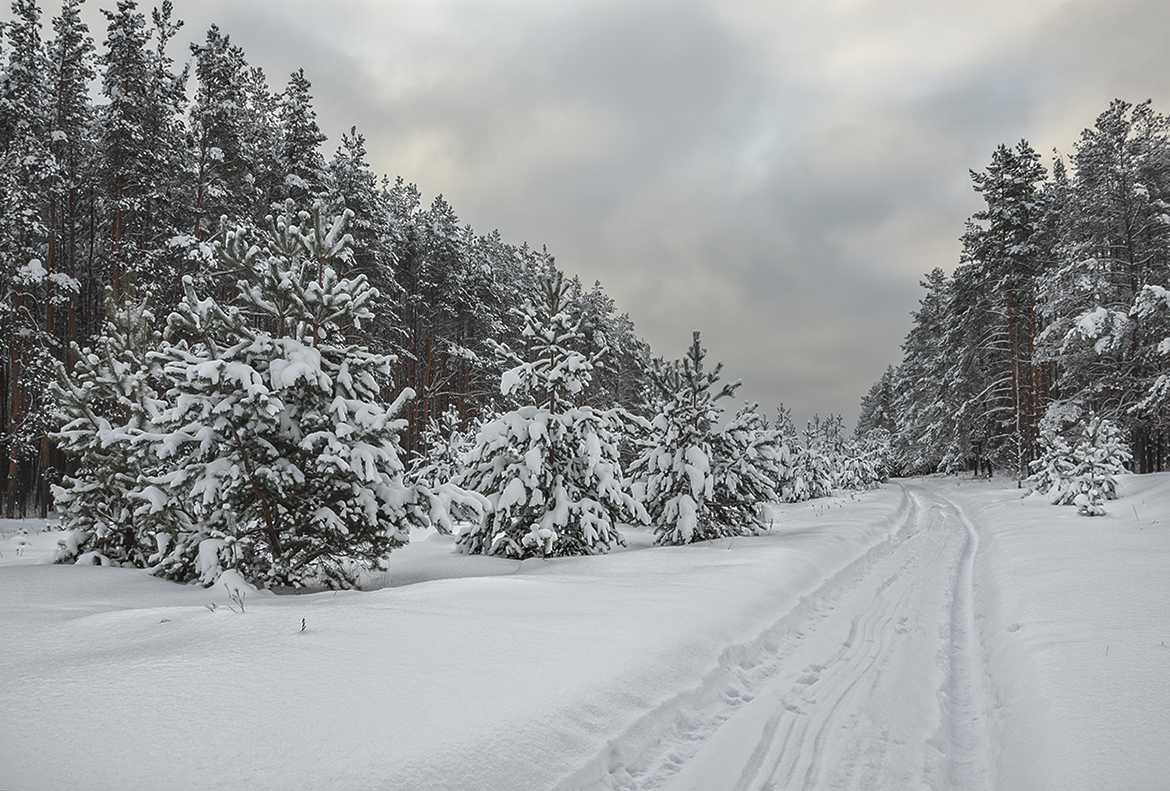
[779,175]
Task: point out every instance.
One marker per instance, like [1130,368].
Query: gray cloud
[779,175]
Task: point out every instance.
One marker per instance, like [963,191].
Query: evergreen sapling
[551,470]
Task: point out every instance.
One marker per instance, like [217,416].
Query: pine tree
[71,69]
[26,174]
[793,487]
[447,446]
[877,407]
[1153,308]
[357,190]
[1004,249]
[434,473]
[110,402]
[167,193]
[260,137]
[550,469]
[676,466]
[819,464]
[1084,474]
[924,402]
[1114,242]
[976,375]
[1052,472]
[623,379]
[224,182]
[751,465]
[124,169]
[276,434]
[305,174]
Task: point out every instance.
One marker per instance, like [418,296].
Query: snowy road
[875,684]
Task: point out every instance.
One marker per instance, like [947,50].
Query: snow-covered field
[933,634]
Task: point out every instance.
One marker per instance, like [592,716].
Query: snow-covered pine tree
[434,472]
[877,407]
[1005,252]
[814,463]
[1114,241]
[1152,307]
[1086,474]
[305,173]
[622,380]
[1101,456]
[445,450]
[26,173]
[1052,473]
[750,463]
[925,401]
[793,488]
[675,468]
[276,435]
[71,69]
[550,469]
[876,447]
[109,403]
[123,168]
[224,182]
[855,468]
[356,189]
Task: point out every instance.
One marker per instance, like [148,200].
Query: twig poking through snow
[236,595]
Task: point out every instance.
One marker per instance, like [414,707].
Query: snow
[32,272]
[936,633]
[510,380]
[1076,626]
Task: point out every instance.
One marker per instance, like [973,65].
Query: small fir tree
[676,469]
[876,447]
[550,470]
[109,405]
[751,460]
[434,472]
[1084,475]
[813,462]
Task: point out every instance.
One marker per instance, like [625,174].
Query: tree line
[121,197]
[1058,311]
[254,439]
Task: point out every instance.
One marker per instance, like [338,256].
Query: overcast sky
[779,175]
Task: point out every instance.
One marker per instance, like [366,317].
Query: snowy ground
[933,634]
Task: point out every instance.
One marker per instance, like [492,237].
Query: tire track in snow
[658,743]
[838,686]
[803,706]
[967,738]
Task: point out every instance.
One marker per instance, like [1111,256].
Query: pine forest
[231,348]
[1058,312]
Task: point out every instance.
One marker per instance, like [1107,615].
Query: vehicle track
[873,684]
